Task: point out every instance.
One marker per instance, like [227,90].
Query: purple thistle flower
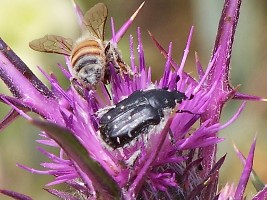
[175,160]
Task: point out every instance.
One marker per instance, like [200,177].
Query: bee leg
[123,67]
[114,56]
[75,84]
[111,56]
[80,89]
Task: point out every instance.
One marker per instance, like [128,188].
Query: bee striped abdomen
[87,48]
[89,62]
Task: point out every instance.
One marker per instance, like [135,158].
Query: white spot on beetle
[129,134]
[118,140]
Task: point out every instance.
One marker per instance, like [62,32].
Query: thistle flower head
[171,159]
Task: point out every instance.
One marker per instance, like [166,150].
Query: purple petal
[199,67]
[132,53]
[262,195]
[140,51]
[78,13]
[151,156]
[186,51]
[246,173]
[248,97]
[208,182]
[207,73]
[127,24]
[15,195]
[77,153]
[31,170]
[65,72]
[174,65]
[167,68]
[257,183]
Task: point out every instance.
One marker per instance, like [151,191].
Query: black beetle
[136,114]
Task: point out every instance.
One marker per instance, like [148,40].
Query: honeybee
[90,54]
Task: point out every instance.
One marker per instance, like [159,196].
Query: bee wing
[95,19]
[52,44]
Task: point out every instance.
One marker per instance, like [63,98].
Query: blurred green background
[168,20]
